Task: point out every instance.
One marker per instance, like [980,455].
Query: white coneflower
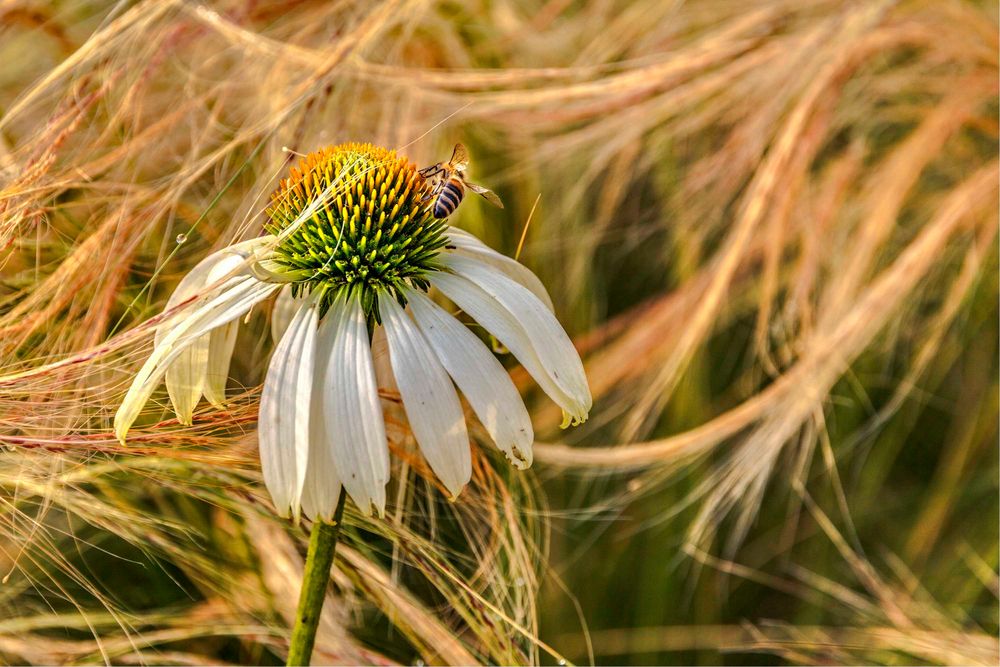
[354,244]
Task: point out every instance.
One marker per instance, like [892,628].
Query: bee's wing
[459,158]
[486,194]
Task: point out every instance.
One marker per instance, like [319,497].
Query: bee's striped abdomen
[449,198]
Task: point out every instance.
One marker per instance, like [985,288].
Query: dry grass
[743,210]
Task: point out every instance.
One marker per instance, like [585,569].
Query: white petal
[284,307]
[187,376]
[524,325]
[352,409]
[283,426]
[216,267]
[429,398]
[470,246]
[321,490]
[232,300]
[222,340]
[480,377]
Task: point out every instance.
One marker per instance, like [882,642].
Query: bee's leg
[435,191]
[431,195]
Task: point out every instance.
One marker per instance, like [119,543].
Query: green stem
[319,559]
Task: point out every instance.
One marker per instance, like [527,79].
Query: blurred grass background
[771,228]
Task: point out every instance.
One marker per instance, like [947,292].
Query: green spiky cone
[372,234]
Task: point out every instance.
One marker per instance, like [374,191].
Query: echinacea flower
[354,247]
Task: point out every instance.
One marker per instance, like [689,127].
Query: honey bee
[450,185]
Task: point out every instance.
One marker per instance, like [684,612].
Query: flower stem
[319,559]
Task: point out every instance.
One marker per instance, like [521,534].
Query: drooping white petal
[469,245]
[231,300]
[215,267]
[187,376]
[221,342]
[285,306]
[524,325]
[352,409]
[218,345]
[479,376]
[429,398]
[283,426]
[321,489]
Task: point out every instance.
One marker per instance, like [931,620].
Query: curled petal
[221,342]
[230,261]
[232,300]
[185,378]
[524,325]
[467,245]
[188,376]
